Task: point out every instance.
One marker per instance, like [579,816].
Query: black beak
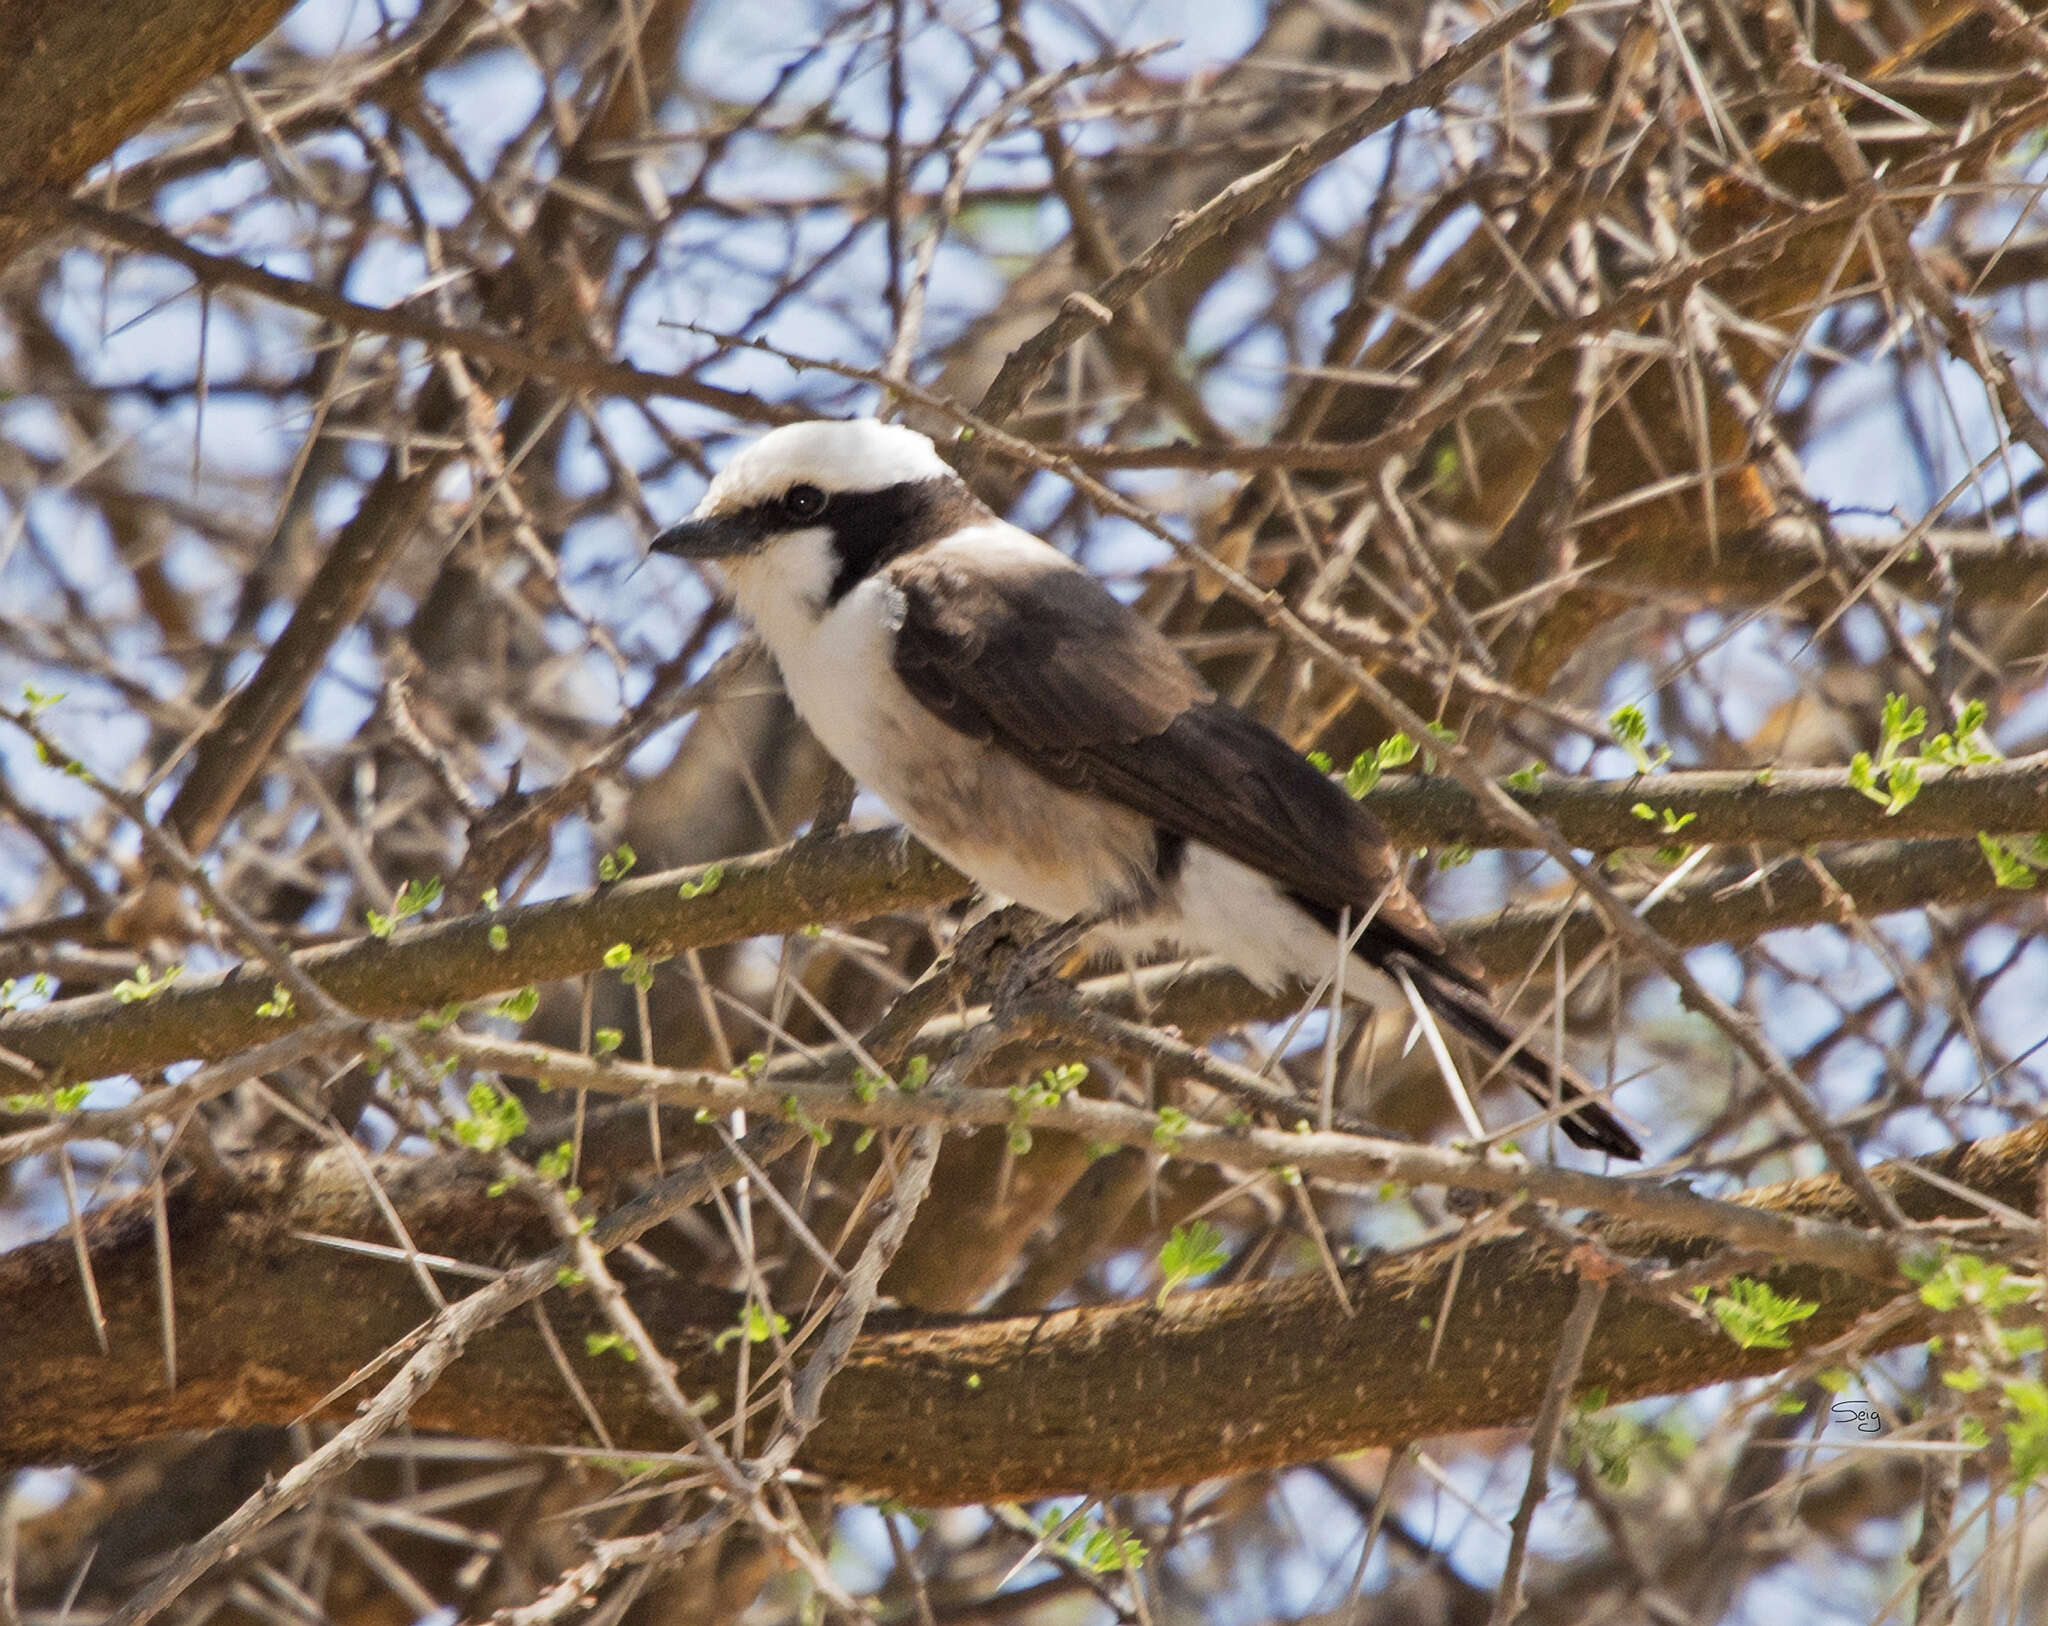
[716,538]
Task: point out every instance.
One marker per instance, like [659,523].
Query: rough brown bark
[79,77]
[1101,1400]
[851,878]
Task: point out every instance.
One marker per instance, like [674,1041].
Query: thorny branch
[1638,411]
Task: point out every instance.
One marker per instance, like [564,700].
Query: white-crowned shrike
[1050,743]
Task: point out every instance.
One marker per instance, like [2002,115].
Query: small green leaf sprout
[495,1119]
[1049,1089]
[755,1325]
[609,1343]
[1101,1549]
[704,885]
[1631,730]
[414,898]
[1191,1251]
[520,1006]
[1754,1316]
[145,984]
[278,1005]
[59,1101]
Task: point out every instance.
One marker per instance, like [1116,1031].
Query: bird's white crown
[855,454]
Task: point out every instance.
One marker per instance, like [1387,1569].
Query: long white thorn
[1425,1023]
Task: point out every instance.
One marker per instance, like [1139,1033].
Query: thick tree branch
[856,877]
[1786,807]
[81,76]
[424,969]
[1104,1399]
[1760,562]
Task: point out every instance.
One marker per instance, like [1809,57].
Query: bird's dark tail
[1466,1010]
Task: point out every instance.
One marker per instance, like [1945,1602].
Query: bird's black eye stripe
[804,501]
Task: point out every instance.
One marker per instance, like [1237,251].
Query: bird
[1050,743]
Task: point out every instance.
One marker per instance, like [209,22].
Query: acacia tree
[493,1124]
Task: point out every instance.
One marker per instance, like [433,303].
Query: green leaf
[2016,1343]
[2026,1433]
[2008,869]
[1863,777]
[1050,1088]
[521,1005]
[60,1100]
[555,1165]
[435,1021]
[499,938]
[1965,748]
[1902,782]
[1109,1550]
[616,864]
[756,1325]
[1757,1318]
[793,1111]
[10,990]
[278,1005]
[145,984]
[1395,751]
[417,897]
[704,885]
[414,897]
[1443,470]
[1900,725]
[1954,1280]
[1668,820]
[1099,1548]
[606,1040]
[1191,1251]
[1631,730]
[495,1120]
[609,1343]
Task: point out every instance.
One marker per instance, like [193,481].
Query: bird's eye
[804,502]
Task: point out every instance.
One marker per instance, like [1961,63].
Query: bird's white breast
[980,808]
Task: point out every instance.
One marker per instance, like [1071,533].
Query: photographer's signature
[1864,1417]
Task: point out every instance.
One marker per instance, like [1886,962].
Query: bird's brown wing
[1042,662]
[1045,663]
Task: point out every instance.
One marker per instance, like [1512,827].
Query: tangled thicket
[545,1155]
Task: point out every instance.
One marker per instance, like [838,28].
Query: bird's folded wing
[1047,665]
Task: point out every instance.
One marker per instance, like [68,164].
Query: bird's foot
[1033,971]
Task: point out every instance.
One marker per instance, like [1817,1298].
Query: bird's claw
[1033,973]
